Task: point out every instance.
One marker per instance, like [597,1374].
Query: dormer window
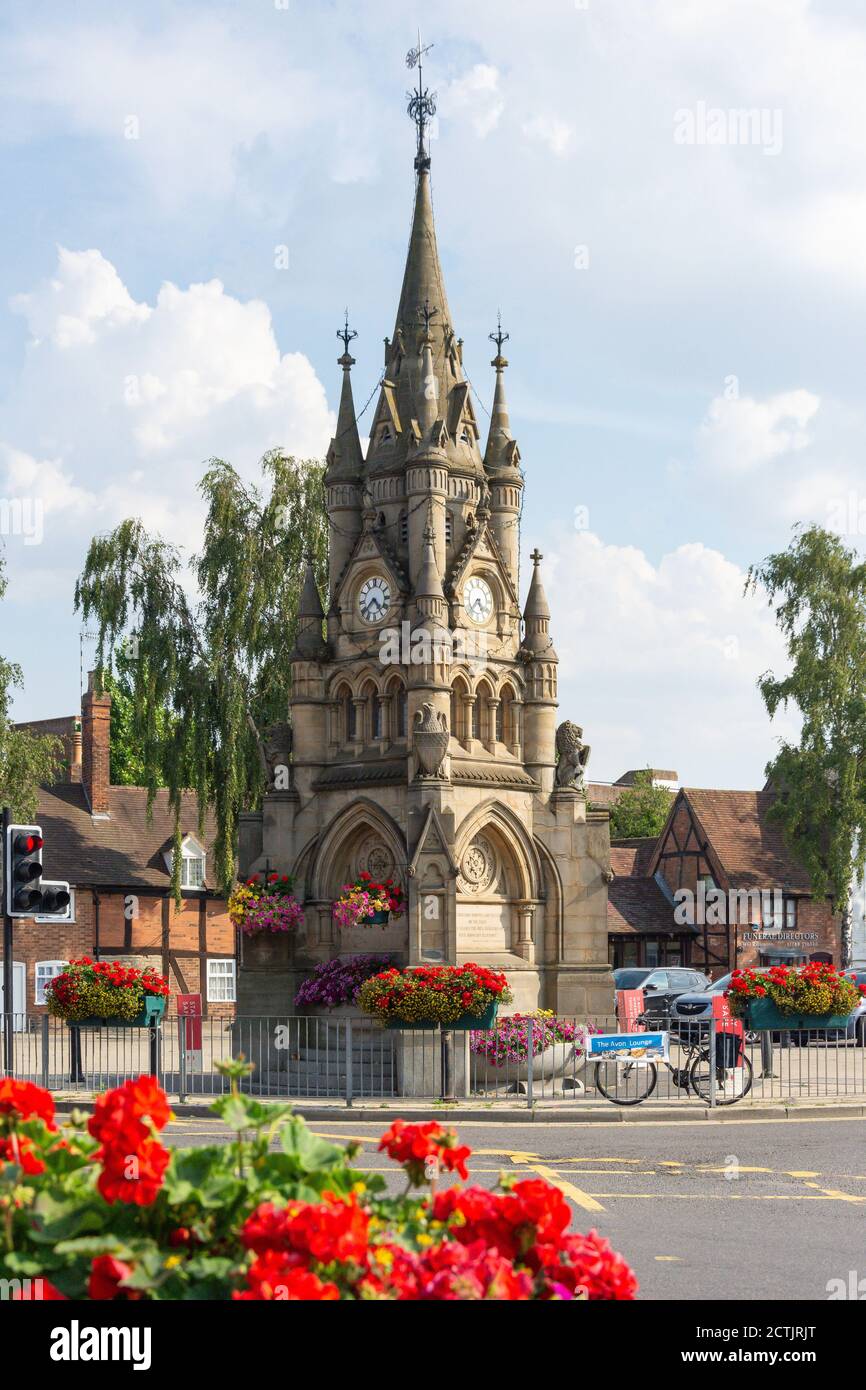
[386,435]
[193,856]
[466,436]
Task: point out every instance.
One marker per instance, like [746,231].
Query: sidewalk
[547,1112]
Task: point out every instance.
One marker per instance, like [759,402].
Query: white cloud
[476,97]
[659,662]
[741,433]
[549,130]
[119,403]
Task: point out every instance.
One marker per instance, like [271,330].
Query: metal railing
[349,1059]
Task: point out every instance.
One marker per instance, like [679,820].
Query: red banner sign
[629,1003]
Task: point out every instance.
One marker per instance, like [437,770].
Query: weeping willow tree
[818,590]
[205,640]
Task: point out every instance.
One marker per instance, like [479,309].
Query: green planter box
[152,1011]
[764,1016]
[480,1021]
[375,919]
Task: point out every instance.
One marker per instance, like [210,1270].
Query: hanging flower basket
[97,994]
[455,996]
[797,998]
[368,903]
[265,905]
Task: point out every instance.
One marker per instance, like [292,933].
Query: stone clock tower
[424,740]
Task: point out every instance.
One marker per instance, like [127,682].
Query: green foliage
[208,673]
[57,1222]
[818,588]
[127,732]
[27,760]
[641,809]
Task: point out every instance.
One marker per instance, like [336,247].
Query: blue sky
[685,298]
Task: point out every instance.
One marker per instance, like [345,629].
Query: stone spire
[536,615]
[310,616]
[345,458]
[502,452]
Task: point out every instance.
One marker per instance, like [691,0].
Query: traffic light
[28,894]
[23,856]
[55,900]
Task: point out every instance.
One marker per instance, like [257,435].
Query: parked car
[696,1007]
[661,986]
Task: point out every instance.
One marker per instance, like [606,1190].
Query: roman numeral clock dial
[374,599]
[478,600]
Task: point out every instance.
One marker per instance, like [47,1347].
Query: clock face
[478,600]
[374,599]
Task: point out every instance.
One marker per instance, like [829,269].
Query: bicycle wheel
[625,1083]
[732,1083]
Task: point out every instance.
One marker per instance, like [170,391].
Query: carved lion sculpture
[573,756]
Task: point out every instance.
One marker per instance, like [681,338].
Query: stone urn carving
[430,740]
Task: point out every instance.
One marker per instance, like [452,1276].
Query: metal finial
[427,314]
[499,337]
[536,557]
[422,102]
[346,334]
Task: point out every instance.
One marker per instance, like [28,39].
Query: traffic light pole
[8,951]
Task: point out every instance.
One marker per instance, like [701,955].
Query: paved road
[740,1210]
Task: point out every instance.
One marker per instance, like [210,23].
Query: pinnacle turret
[310,615]
[536,615]
[345,457]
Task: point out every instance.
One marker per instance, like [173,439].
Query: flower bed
[338,982]
[368,903]
[506,1047]
[265,904]
[105,991]
[812,991]
[431,994]
[251,1221]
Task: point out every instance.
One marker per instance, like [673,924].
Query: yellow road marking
[836,1195]
[581,1199]
[674,1259]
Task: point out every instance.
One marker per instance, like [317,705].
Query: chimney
[75,753]
[95,728]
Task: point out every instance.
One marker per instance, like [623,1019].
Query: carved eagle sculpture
[573,756]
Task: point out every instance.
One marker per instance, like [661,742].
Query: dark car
[661,985]
[696,1007]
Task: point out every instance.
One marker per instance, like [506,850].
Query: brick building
[118,864]
[750,901]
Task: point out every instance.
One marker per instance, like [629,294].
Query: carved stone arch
[496,821]
[340,843]
[362,678]
[553,894]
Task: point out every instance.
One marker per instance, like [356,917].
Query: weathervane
[346,334]
[422,103]
[499,337]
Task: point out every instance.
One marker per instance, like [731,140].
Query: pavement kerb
[501,1114]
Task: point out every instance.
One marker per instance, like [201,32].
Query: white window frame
[191,850]
[228,977]
[59,966]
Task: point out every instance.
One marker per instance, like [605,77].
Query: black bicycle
[631,1079]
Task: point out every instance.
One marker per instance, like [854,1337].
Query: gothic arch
[518,843]
[341,838]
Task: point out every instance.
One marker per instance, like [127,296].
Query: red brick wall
[51,941]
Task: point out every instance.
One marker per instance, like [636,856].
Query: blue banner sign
[631,1047]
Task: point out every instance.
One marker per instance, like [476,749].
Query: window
[404,528]
[192,865]
[45,971]
[221,981]
[449,528]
